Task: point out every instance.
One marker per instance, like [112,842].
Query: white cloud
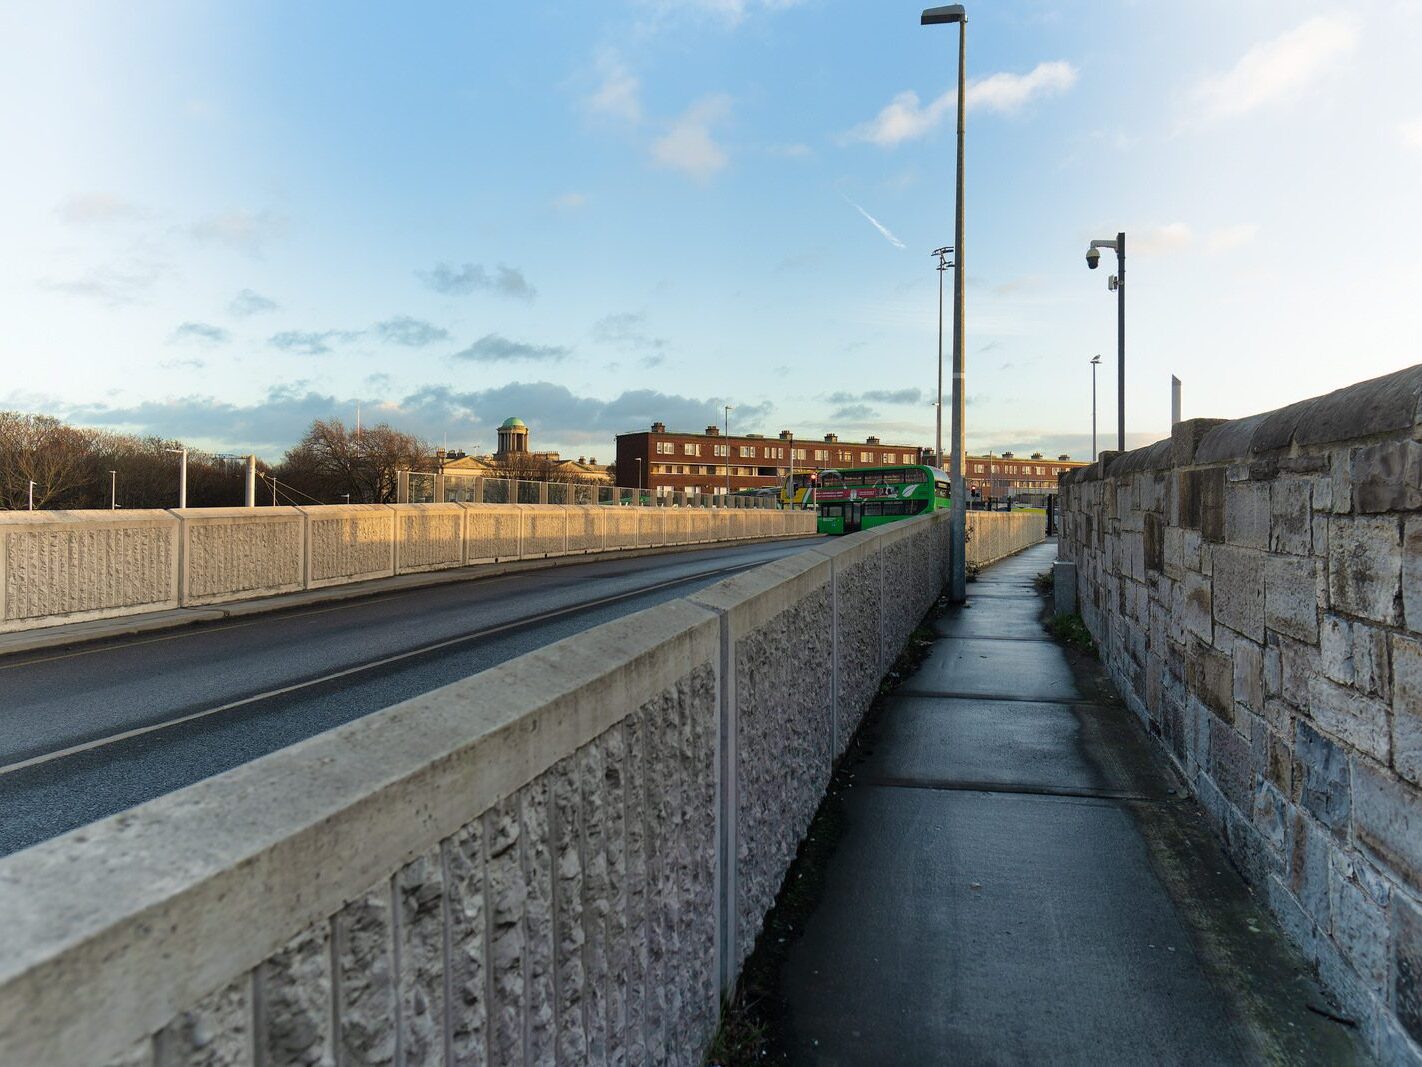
[905,118]
[1278,68]
[688,145]
[89,208]
[791,151]
[1411,132]
[244,230]
[570,201]
[883,230]
[1159,240]
[1228,238]
[619,95]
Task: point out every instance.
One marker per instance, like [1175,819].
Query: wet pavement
[1021,878]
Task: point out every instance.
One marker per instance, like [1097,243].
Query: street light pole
[113,490]
[943,265]
[729,408]
[32,496]
[1095,362]
[1118,283]
[958,521]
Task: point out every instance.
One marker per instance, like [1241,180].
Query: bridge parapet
[567,856]
[1255,587]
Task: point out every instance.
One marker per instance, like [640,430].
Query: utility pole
[943,265]
[113,490]
[729,409]
[182,475]
[1174,400]
[249,498]
[1095,362]
[32,496]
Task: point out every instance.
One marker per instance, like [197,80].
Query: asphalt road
[88,732]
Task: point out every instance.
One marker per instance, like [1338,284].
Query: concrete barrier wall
[1256,590]
[58,567]
[81,565]
[565,858]
[994,535]
[231,553]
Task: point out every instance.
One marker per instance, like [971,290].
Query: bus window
[944,490]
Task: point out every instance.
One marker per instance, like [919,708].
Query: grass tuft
[1071,630]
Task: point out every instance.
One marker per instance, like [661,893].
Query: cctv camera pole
[1121,342]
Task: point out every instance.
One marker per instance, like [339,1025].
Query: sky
[222,221]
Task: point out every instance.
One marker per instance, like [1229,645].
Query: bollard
[1064,587]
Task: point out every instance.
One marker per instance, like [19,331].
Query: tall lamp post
[1095,362]
[729,408]
[958,522]
[639,481]
[113,490]
[1118,283]
[182,475]
[943,265]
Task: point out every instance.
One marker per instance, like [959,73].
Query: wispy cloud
[688,146]
[627,329]
[619,92]
[94,208]
[1278,69]
[1174,237]
[310,342]
[495,348]
[570,201]
[473,277]
[245,231]
[118,284]
[906,118]
[200,332]
[413,333]
[248,302]
[879,396]
[729,12]
[883,230]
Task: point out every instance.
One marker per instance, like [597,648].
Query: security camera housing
[1093,257]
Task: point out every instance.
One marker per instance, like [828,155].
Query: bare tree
[43,450]
[331,461]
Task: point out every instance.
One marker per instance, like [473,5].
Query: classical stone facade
[1256,590]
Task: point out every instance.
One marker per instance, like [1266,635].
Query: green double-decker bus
[858,499]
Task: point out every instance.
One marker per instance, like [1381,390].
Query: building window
[665,448]
[747,451]
[799,453]
[866,457]
[722,450]
[690,450]
[822,453]
[887,457]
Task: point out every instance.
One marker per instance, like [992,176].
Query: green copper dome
[513,424]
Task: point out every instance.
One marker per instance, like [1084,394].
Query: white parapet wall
[80,565]
[993,535]
[566,858]
[234,553]
[72,566]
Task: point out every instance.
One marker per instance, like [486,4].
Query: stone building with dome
[515,459]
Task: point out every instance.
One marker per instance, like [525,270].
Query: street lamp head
[1096,359]
[1093,257]
[938,16]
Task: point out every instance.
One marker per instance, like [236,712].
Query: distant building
[515,460]
[1006,475]
[710,462]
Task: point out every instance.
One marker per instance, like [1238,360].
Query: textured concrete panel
[294,991]
[431,537]
[419,895]
[491,532]
[365,981]
[71,565]
[231,553]
[585,528]
[215,1032]
[545,530]
[349,543]
[621,527]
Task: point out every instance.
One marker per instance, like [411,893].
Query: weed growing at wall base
[1070,630]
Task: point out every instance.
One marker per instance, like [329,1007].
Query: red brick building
[666,462]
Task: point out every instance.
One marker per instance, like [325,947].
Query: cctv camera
[1093,257]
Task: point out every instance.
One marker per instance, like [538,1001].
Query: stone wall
[62,566]
[563,859]
[1256,590]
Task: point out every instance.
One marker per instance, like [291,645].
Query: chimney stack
[659,427]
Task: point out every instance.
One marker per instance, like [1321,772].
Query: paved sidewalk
[1021,879]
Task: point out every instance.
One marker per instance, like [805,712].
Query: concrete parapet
[544,530]
[492,533]
[564,858]
[587,528]
[994,535]
[349,543]
[69,566]
[233,553]
[1258,602]
[428,537]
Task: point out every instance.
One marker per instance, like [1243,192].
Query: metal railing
[430,487]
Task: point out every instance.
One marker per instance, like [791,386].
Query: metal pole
[938,413]
[958,523]
[183,480]
[792,471]
[728,454]
[113,490]
[250,497]
[1094,364]
[32,496]
[1174,400]
[1120,342]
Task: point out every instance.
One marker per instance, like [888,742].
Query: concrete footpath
[1021,878]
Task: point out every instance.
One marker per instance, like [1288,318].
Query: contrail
[876,224]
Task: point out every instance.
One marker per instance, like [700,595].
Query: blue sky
[222,221]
